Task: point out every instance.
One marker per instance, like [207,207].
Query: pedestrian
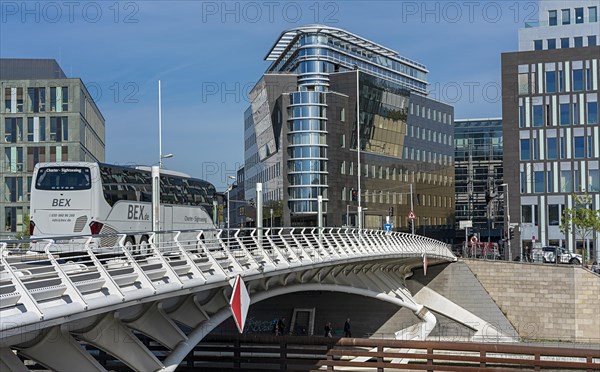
[281,326]
[595,268]
[347,332]
[328,329]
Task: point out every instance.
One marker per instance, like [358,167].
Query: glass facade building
[550,113]
[301,137]
[479,174]
[45,116]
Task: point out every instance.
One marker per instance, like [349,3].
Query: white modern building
[550,127]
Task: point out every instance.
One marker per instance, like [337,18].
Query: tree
[24,233]
[582,219]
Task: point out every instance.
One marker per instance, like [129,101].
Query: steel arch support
[155,324]
[189,312]
[9,362]
[184,348]
[59,351]
[112,336]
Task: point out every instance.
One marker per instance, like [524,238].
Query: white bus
[77,198]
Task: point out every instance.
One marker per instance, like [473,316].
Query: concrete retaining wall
[544,302]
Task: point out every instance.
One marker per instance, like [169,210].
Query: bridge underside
[59,347]
[177,291]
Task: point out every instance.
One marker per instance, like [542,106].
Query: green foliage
[582,219]
[276,205]
[24,234]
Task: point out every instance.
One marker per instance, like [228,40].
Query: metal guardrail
[234,352]
[108,269]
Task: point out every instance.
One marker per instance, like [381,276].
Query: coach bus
[77,198]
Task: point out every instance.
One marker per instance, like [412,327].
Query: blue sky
[209,54]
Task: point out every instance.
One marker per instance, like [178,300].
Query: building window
[575,113]
[343,167]
[550,181]
[561,81]
[550,81]
[578,15]
[566,181]
[59,99]
[535,148]
[59,129]
[538,45]
[37,99]
[577,181]
[552,148]
[593,13]
[593,180]
[566,16]
[552,18]
[343,141]
[592,112]
[577,79]
[562,148]
[565,114]
[579,147]
[578,41]
[538,115]
[538,182]
[564,42]
[551,43]
[36,129]
[553,214]
[525,149]
[343,194]
[592,40]
[343,115]
[527,213]
[590,146]
[13,130]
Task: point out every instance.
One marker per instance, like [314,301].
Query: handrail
[386,353]
[116,270]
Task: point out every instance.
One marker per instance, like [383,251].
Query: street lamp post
[229,187]
[507,226]
[360,211]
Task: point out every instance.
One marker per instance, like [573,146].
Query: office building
[479,176]
[550,122]
[45,117]
[301,139]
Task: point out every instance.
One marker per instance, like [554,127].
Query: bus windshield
[63,178]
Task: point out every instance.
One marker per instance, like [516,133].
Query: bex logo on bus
[61,202]
[136,212]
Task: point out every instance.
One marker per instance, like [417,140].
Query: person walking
[328,329]
[347,332]
[281,326]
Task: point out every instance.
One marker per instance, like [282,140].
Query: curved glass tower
[313,53]
[301,129]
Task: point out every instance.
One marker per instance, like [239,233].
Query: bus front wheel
[144,244]
[129,244]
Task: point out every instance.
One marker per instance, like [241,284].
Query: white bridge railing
[105,270]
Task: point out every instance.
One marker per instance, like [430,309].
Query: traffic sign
[239,303]
[388,227]
[411,215]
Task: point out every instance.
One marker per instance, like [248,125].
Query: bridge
[174,288]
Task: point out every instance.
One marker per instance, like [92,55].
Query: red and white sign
[411,215]
[424,264]
[239,303]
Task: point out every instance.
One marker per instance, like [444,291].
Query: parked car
[548,254]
